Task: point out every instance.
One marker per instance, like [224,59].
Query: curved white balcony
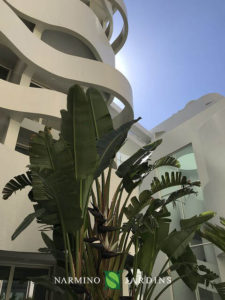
[55,65]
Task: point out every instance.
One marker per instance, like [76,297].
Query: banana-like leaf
[48,242]
[215,234]
[179,194]
[177,241]
[129,184]
[166,161]
[150,247]
[109,145]
[100,113]
[195,222]
[26,222]
[66,193]
[169,180]
[142,154]
[78,130]
[17,183]
[220,287]
[139,171]
[55,187]
[135,178]
[136,206]
[186,268]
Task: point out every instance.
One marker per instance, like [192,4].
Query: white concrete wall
[17,207]
[205,130]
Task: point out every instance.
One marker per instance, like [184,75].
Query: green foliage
[220,287]
[26,222]
[100,114]
[93,231]
[215,234]
[78,131]
[17,183]
[141,155]
[171,180]
[110,144]
[54,184]
[176,242]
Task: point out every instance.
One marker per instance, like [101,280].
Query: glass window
[4,276]
[4,72]
[187,207]
[23,140]
[35,85]
[19,285]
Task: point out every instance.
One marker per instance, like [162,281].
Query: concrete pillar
[38,30]
[17,72]
[12,134]
[26,76]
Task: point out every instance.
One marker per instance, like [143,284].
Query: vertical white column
[25,74]
[12,134]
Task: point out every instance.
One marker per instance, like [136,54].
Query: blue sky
[175,53]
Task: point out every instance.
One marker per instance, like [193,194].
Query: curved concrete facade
[52,44]
[77,19]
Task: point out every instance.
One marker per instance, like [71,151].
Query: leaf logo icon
[112,280]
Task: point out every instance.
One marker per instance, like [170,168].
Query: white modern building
[45,47]
[196,137]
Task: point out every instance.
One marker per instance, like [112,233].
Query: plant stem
[70,257]
[122,210]
[111,210]
[99,197]
[77,252]
[107,187]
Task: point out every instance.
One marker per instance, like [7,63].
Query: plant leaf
[26,222]
[78,131]
[215,234]
[48,242]
[166,161]
[17,183]
[186,268]
[169,180]
[150,248]
[54,185]
[110,143]
[220,287]
[196,221]
[177,241]
[143,153]
[100,113]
